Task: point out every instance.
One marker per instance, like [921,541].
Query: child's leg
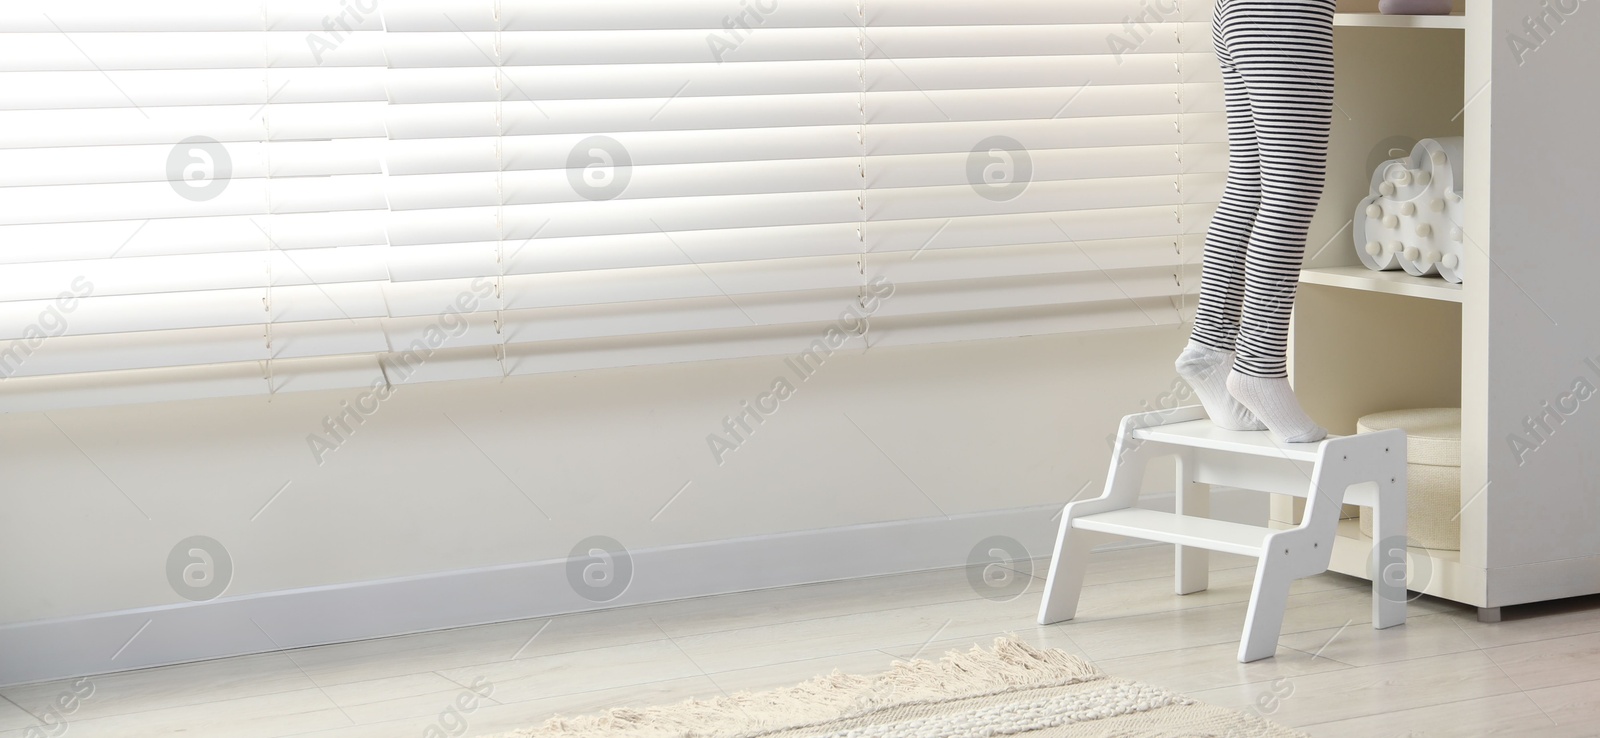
[1283,49]
[1222,275]
[1205,363]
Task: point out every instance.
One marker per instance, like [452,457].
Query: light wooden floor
[1443,674]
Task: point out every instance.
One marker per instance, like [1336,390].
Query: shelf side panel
[1542,309]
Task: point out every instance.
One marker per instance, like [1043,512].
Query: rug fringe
[1010,666]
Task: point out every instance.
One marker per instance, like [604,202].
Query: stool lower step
[1184,530]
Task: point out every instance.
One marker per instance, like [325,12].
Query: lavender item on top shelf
[1414,7]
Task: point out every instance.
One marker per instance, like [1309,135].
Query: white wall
[976,426]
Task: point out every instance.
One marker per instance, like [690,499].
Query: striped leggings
[1277,70]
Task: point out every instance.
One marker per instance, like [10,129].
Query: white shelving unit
[1366,341]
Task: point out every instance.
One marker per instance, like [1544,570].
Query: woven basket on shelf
[1433,474]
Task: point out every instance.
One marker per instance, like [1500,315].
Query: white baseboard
[231,626]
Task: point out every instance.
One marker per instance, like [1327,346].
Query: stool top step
[1203,434]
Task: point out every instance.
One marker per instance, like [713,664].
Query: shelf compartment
[1457,21]
[1392,283]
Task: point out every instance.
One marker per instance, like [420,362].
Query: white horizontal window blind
[231,197]
[193,200]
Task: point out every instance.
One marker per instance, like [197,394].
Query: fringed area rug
[1013,689]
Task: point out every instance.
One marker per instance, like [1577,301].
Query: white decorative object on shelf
[1412,218]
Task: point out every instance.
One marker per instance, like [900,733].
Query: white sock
[1272,400]
[1206,370]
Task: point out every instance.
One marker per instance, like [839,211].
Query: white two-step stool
[1367,469]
